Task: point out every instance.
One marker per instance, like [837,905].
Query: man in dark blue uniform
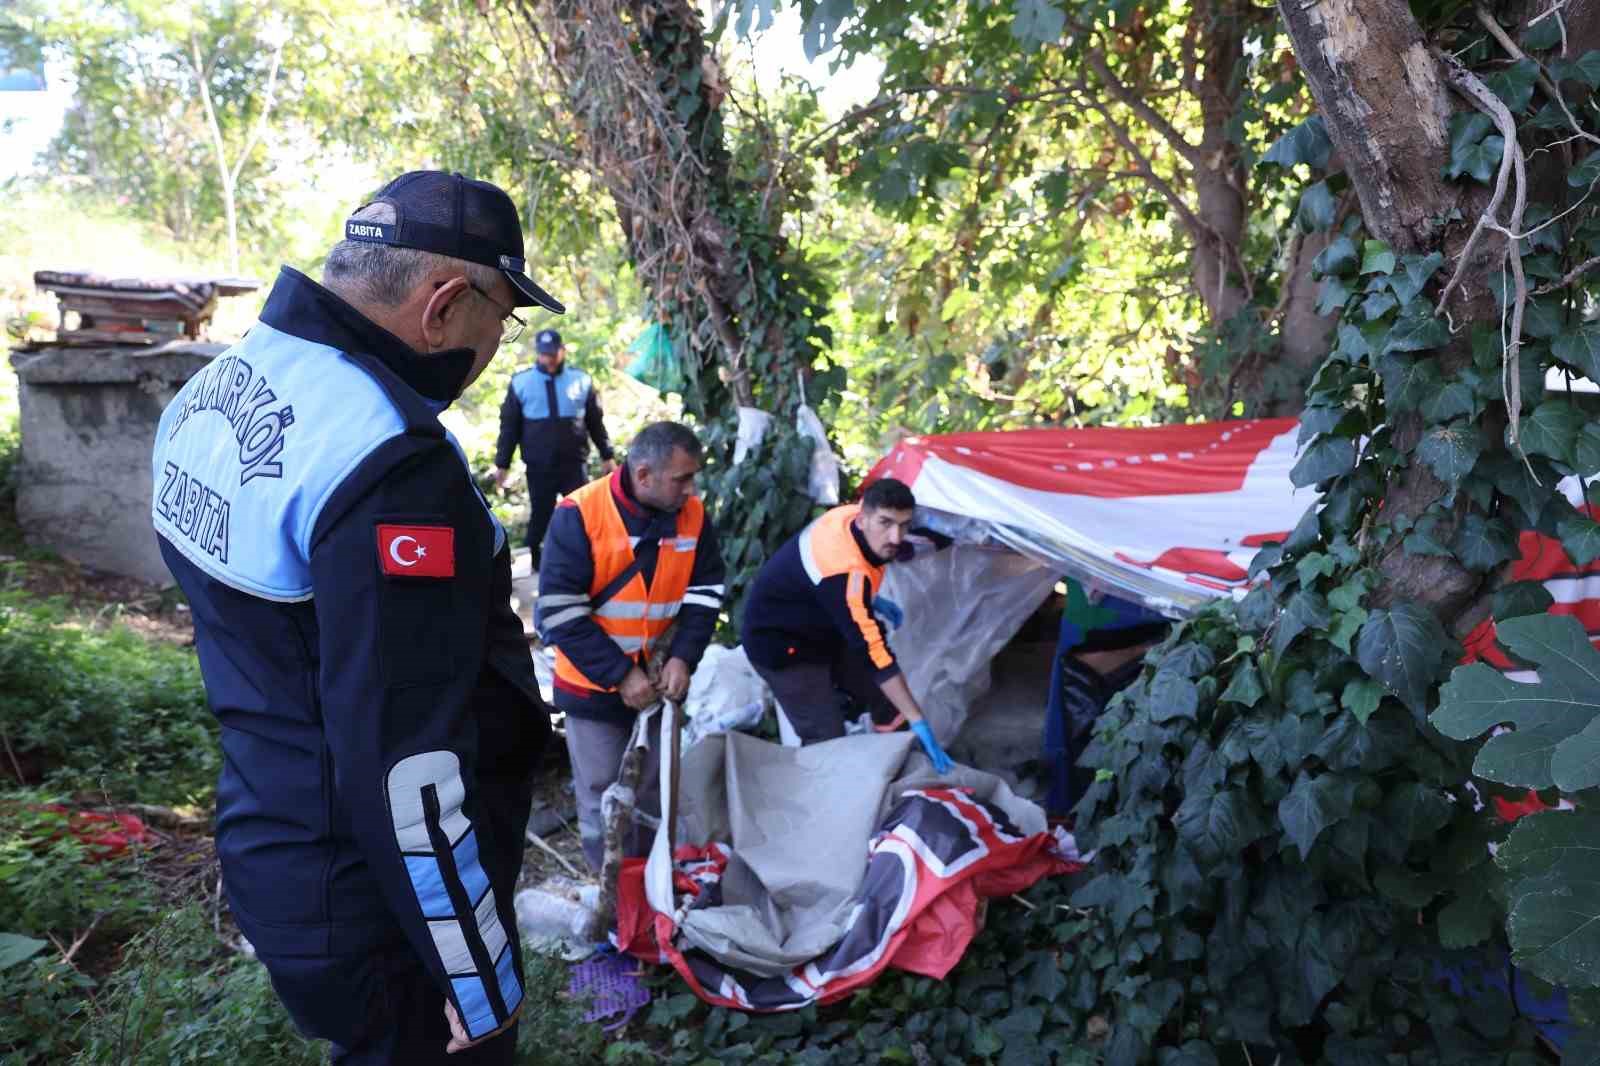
[551,410]
[350,589]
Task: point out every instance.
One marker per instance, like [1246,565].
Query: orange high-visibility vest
[636,616]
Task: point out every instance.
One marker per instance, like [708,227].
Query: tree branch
[1129,99]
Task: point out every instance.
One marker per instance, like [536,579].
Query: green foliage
[1242,840]
[181,997]
[100,709]
[53,882]
[45,1003]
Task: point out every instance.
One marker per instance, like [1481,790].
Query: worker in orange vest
[626,557]
[812,627]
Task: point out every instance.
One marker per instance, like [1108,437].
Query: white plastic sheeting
[961,606]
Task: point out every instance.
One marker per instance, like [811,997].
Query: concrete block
[89,419]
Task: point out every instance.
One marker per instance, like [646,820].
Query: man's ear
[439,313]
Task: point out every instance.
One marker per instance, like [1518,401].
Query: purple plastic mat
[610,983]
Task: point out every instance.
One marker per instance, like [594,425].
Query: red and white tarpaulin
[803,873]
[1170,516]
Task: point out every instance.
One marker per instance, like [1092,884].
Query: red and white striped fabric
[1170,513]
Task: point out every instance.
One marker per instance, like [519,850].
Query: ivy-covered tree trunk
[743,309]
[1295,831]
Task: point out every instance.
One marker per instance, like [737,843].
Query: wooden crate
[112,310]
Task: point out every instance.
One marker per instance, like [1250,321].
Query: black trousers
[815,697]
[544,485]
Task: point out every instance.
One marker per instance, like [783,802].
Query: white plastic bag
[753,423]
[823,482]
[725,693]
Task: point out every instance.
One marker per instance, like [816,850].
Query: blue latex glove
[941,761]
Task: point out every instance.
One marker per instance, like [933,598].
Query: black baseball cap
[458,217]
[547,341]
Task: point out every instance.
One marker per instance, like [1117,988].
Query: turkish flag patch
[417,551]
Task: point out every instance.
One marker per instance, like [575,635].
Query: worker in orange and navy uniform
[810,627]
[625,557]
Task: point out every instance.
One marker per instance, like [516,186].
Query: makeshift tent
[1151,522]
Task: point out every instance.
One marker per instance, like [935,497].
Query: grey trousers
[596,748]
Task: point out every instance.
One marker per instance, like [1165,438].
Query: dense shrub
[100,709]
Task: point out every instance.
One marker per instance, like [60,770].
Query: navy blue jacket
[378,727]
[789,618]
[552,417]
[566,573]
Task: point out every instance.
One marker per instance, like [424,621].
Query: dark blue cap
[456,216]
[547,341]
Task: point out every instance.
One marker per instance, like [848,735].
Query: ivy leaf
[1306,610]
[1307,143]
[1038,22]
[1217,825]
[1312,566]
[1317,208]
[1580,536]
[1204,769]
[1361,697]
[1514,84]
[1479,161]
[1345,628]
[1245,687]
[1407,284]
[1552,866]
[1377,258]
[1194,1053]
[1348,596]
[1328,457]
[1339,257]
[1580,349]
[1521,598]
[1585,173]
[1586,68]
[1454,400]
[1546,33]
[1402,648]
[1586,451]
[1467,128]
[1313,805]
[1377,305]
[1465,922]
[1418,329]
[1316,419]
[1333,295]
[1542,319]
[1414,811]
[1172,696]
[1409,888]
[1552,430]
[1484,543]
[1451,452]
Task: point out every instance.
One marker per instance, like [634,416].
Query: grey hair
[655,443]
[364,272]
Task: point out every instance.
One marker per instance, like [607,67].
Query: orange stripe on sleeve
[855,599]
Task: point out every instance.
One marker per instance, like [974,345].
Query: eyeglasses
[510,332]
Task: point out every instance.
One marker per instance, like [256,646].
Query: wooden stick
[535,838]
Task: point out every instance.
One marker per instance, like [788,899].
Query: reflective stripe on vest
[636,616]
